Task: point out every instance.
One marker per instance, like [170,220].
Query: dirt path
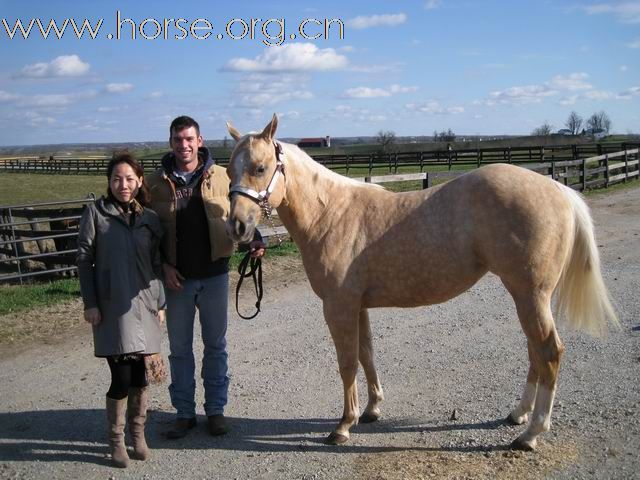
[468,354]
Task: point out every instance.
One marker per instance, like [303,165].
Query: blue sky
[412,66]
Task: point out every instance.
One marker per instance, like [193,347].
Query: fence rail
[389,162]
[42,242]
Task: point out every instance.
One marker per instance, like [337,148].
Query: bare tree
[544,129]
[599,121]
[386,139]
[574,123]
[444,136]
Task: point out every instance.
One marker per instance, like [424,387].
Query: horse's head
[257,180]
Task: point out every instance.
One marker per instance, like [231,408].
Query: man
[190,194]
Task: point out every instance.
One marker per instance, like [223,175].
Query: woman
[119,269]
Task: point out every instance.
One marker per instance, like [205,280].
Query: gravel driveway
[468,355]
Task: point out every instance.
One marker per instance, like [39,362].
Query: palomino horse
[363,246]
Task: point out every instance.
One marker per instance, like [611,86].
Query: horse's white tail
[582,297]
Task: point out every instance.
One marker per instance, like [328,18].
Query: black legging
[124,375]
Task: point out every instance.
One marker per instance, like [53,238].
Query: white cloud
[388,20]
[105,109]
[258,90]
[624,68]
[387,67]
[118,87]
[634,44]
[598,95]
[6,97]
[35,119]
[571,100]
[573,81]
[520,95]
[62,66]
[156,94]
[290,58]
[368,92]
[625,12]
[433,107]
[431,4]
[629,93]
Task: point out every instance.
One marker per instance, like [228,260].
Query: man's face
[185,144]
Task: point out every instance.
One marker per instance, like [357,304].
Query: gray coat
[119,268]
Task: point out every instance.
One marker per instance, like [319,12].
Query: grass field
[21,188]
[17,298]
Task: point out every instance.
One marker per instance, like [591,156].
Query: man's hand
[257,249]
[172,277]
[93,316]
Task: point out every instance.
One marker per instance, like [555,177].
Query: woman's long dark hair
[125,157]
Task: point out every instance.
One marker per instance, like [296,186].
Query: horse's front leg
[372,411]
[342,320]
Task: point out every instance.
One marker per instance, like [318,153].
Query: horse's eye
[260,169]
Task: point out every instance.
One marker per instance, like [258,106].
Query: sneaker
[217,425]
[181,427]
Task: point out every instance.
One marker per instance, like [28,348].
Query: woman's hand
[162,316]
[92,316]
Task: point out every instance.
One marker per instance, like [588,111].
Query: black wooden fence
[39,240]
[392,162]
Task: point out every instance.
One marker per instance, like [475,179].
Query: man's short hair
[182,122]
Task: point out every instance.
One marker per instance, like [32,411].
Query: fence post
[370,163]
[15,244]
[509,160]
[606,171]
[626,166]
[553,170]
[584,174]
[426,181]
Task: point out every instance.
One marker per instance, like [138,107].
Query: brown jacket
[215,195]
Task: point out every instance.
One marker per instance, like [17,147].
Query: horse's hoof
[523,445]
[510,420]
[336,439]
[369,417]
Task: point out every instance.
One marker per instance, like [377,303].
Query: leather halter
[262,197]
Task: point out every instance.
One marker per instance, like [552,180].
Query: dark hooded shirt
[193,246]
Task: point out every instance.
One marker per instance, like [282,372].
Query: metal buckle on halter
[262,197]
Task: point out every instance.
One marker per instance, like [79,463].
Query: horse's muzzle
[239,230]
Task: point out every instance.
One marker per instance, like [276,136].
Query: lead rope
[255,264]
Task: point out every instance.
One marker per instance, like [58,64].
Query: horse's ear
[234,133]
[270,130]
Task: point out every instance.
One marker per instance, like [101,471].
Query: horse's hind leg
[374,389]
[343,324]
[520,414]
[545,351]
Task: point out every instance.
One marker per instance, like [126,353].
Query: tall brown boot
[137,416]
[116,416]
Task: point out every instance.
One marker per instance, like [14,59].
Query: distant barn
[315,142]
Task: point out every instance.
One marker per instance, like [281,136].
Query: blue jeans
[209,295]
